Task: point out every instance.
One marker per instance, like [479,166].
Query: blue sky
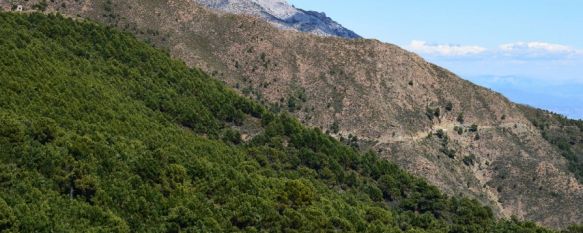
[531,51]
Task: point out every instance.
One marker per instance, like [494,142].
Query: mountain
[100,132]
[466,140]
[283,15]
[566,134]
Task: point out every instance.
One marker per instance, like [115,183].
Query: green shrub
[335,128]
[460,118]
[459,130]
[474,128]
[430,113]
[469,160]
[450,153]
[440,133]
[449,106]
[437,112]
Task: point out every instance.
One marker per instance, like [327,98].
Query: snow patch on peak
[278,8]
[283,15]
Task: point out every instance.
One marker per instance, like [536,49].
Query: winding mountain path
[447,127]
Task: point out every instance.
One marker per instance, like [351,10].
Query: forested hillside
[565,134]
[101,133]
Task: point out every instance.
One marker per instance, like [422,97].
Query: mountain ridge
[283,15]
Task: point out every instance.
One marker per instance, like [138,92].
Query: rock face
[283,15]
[465,139]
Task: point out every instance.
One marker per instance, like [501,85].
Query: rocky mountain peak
[283,15]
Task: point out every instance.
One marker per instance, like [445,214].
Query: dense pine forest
[100,132]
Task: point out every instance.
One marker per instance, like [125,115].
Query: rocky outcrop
[283,15]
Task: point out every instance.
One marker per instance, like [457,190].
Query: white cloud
[444,49]
[536,47]
[515,52]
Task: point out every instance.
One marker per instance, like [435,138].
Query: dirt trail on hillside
[447,127]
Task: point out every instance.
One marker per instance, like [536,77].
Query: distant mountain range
[563,98]
[283,15]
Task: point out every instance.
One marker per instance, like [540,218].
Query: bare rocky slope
[463,138]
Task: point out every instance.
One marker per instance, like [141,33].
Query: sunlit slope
[100,132]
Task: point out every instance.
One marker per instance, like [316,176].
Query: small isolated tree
[437,112]
[460,118]
[449,106]
[470,160]
[459,130]
[474,128]
[450,153]
[440,133]
[335,128]
[292,104]
[429,113]
[353,141]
